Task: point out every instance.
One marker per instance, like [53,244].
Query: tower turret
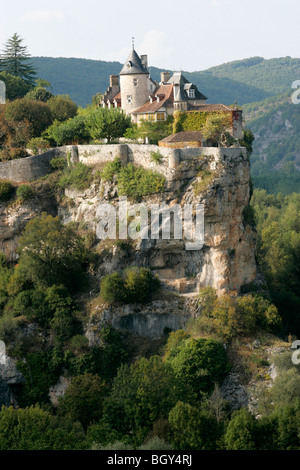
[135,83]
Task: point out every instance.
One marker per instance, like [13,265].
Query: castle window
[191,93]
[129,99]
[135,82]
[160,116]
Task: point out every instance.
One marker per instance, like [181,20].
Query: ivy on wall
[190,120]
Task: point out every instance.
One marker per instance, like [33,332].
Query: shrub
[156,157]
[110,169]
[36,112]
[8,324]
[24,192]
[78,176]
[137,181]
[112,287]
[6,190]
[139,283]
[38,145]
[249,216]
[134,285]
[58,163]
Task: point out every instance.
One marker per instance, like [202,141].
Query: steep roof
[164,93]
[133,65]
[182,85]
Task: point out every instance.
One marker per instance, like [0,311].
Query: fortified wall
[35,167]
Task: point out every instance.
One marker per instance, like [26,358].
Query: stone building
[144,99]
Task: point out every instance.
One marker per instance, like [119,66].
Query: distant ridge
[245,81]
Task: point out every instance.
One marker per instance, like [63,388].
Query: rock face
[218,179]
[226,260]
[9,375]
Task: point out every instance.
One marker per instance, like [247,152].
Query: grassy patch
[206,177]
[77,176]
[134,182]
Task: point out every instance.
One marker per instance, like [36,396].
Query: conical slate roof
[133,65]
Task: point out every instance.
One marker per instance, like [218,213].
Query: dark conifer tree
[15,60]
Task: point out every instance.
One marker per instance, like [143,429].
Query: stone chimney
[165,77]
[113,80]
[144,60]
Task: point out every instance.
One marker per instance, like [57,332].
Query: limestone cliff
[226,260]
[220,181]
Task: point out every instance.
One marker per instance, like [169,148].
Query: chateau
[134,91]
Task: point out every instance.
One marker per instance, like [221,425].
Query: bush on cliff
[78,176]
[133,285]
[6,190]
[137,181]
[24,192]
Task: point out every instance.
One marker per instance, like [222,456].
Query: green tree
[200,363]
[107,124]
[40,92]
[215,126]
[37,113]
[62,107]
[71,131]
[15,60]
[241,431]
[141,394]
[192,428]
[16,87]
[83,399]
[51,253]
[40,370]
[36,429]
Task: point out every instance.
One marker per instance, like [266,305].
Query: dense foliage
[131,286]
[278,251]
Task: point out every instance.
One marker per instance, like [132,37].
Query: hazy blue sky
[188,35]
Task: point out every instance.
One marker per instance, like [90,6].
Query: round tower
[134,82]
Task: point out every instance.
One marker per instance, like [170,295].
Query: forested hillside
[245,81]
[273,75]
[275,162]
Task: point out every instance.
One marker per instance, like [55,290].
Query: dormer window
[135,82]
[129,64]
[191,93]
